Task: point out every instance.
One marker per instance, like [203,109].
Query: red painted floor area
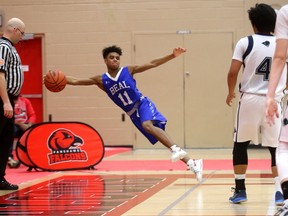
[19,175]
[263,164]
[84,195]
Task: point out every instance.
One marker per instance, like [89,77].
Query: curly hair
[263,17]
[114,48]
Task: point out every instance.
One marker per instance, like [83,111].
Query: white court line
[168,208]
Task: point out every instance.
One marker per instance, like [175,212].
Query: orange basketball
[55,81]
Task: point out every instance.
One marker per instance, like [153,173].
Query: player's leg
[152,125]
[279,199]
[240,163]
[155,134]
[177,153]
[282,163]
[161,136]
[270,139]
[247,123]
[158,133]
[282,166]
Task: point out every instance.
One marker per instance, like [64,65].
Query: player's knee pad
[272,151]
[240,156]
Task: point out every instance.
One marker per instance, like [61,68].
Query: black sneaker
[4,185]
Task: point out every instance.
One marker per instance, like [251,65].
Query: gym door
[208,120]
[189,90]
[30,52]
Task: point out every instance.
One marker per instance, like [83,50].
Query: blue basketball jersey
[122,89]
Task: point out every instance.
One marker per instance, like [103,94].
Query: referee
[11,80]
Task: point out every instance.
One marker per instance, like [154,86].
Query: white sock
[277,184]
[190,161]
[240,176]
[173,148]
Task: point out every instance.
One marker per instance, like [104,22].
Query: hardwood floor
[139,190]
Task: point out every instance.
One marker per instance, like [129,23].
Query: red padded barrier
[60,146]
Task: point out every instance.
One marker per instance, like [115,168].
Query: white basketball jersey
[257,65]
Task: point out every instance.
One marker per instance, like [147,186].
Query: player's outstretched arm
[81,81]
[156,62]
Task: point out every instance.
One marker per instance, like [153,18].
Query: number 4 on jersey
[264,68]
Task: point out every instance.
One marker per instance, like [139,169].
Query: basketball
[55,81]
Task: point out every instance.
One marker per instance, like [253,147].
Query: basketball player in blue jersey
[255,53]
[120,86]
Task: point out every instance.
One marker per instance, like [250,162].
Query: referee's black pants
[6,136]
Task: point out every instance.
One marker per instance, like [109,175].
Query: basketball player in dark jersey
[120,86]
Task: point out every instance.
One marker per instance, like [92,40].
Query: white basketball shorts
[250,122]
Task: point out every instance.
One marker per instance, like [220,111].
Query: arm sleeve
[240,49]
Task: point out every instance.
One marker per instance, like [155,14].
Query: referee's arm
[7,108]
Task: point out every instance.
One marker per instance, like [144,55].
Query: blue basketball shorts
[147,111]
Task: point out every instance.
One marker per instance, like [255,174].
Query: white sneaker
[178,154]
[196,166]
[282,211]
[13,163]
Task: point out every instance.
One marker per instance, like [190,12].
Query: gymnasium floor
[142,182]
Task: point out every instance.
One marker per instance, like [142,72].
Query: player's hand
[43,80]
[8,110]
[178,51]
[69,79]
[229,99]
[271,110]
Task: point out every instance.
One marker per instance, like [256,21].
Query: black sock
[284,187]
[240,185]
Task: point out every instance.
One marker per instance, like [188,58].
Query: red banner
[60,146]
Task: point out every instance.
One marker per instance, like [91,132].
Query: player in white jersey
[277,71]
[255,53]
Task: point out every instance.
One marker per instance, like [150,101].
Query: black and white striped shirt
[10,64]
